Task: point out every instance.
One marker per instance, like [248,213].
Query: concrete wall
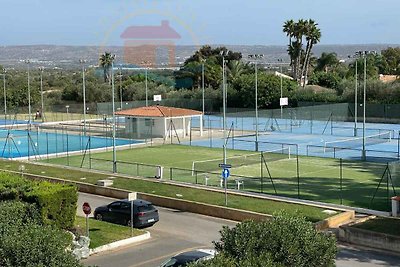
[371,239]
[189,206]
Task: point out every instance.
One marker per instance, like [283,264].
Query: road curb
[120,243]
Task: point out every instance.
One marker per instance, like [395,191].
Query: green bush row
[56,202]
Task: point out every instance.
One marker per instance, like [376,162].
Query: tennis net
[241,160]
[358,141]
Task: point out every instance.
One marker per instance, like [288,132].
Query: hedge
[56,202]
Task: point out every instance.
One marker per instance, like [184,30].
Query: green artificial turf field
[321,179]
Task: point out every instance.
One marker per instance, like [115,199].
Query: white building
[159,121]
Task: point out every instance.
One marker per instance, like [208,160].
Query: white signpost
[131,197]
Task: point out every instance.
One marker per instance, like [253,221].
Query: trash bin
[396,206]
[159,172]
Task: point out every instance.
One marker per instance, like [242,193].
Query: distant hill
[53,56]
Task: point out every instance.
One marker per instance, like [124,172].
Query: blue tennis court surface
[305,137]
[21,143]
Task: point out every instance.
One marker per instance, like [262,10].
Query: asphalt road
[178,231]
[175,232]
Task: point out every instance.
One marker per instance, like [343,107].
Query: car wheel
[99,217]
[128,222]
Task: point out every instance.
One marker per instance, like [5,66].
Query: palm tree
[105,62]
[288,28]
[313,36]
[327,60]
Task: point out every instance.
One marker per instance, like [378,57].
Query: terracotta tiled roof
[157,111]
[151,32]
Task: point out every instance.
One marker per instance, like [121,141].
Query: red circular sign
[86,208]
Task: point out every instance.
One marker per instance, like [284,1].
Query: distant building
[387,78]
[144,44]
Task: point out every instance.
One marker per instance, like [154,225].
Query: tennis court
[323,131]
[26,143]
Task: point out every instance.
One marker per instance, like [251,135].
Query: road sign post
[225,174]
[131,197]
[87,210]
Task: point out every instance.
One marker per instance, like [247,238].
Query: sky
[198,22]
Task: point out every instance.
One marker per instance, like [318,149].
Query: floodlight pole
[281,91]
[41,69]
[29,94]
[202,86]
[224,120]
[147,102]
[364,156]
[356,102]
[82,61]
[5,96]
[256,57]
[120,84]
[113,117]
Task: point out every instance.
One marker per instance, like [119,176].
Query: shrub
[281,241]
[24,241]
[56,202]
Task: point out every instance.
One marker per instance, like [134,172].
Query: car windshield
[145,208]
[170,263]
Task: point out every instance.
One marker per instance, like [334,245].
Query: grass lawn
[102,233]
[319,178]
[389,226]
[153,187]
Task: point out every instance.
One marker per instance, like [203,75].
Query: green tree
[25,242]
[105,62]
[327,61]
[392,57]
[282,241]
[313,36]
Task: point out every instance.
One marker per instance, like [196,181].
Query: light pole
[255,58]
[27,61]
[364,55]
[364,156]
[202,85]
[145,64]
[41,69]
[113,114]
[82,62]
[281,78]
[120,85]
[223,54]
[5,96]
[356,101]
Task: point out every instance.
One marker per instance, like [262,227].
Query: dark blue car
[144,213]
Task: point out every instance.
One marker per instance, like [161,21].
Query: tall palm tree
[313,36]
[299,32]
[105,61]
[288,28]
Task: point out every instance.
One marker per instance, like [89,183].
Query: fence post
[195,172]
[261,170]
[298,176]
[387,185]
[341,181]
[47,146]
[170,174]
